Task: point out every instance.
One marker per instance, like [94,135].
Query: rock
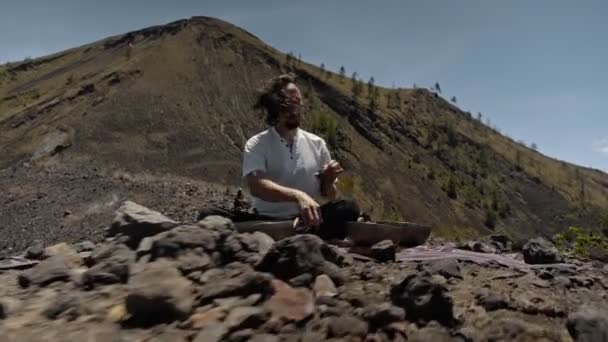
[384,251]
[324,286]
[171,243]
[598,253]
[264,338]
[245,317]
[432,332]
[289,304]
[69,254]
[302,280]
[424,298]
[218,224]
[193,261]
[200,320]
[379,315]
[580,281]
[513,329]
[346,326]
[36,251]
[541,251]
[47,271]
[477,246]
[230,303]
[8,306]
[448,268]
[137,222]
[234,280]
[212,333]
[501,242]
[492,302]
[112,264]
[300,254]
[248,248]
[84,246]
[65,306]
[117,313]
[588,324]
[158,294]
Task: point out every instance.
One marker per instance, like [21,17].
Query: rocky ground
[155,279]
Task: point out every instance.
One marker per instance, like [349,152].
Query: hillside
[161,114]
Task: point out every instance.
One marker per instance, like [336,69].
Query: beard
[292,124]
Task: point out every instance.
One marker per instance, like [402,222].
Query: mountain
[161,114]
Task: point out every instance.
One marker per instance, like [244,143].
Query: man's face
[291,117]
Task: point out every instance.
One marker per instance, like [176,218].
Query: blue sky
[535,69]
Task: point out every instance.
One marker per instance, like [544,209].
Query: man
[289,171]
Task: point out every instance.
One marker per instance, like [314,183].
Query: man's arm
[329,190]
[270,191]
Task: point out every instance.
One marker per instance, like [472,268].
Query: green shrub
[490,220]
[579,241]
[326,126]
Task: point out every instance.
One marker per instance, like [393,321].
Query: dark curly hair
[273,98]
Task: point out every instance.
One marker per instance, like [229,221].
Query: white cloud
[601,145]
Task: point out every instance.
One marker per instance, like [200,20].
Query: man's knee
[335,215]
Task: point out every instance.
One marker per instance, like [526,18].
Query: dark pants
[335,215]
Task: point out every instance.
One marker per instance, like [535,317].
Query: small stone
[424,298]
[383,314]
[68,306]
[492,302]
[212,333]
[158,294]
[289,304]
[245,317]
[324,286]
[117,313]
[502,242]
[8,306]
[36,251]
[541,251]
[200,320]
[47,271]
[477,246]
[346,326]
[448,268]
[384,251]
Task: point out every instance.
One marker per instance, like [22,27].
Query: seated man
[289,170]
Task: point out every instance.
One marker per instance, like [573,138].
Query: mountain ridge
[176,100]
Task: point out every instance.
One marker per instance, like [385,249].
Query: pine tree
[438,87]
[322,68]
[342,74]
[454,99]
[370,86]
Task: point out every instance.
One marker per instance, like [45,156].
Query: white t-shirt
[269,153]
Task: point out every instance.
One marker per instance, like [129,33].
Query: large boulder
[301,254]
[424,297]
[541,251]
[158,294]
[588,324]
[137,222]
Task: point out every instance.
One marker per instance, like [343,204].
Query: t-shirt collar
[278,136]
